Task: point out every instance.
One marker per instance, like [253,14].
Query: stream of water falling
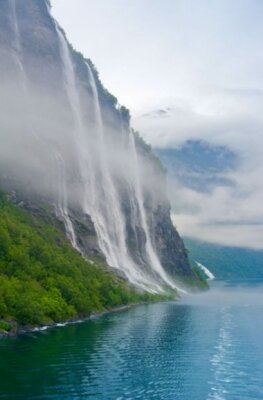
[115,217]
[62,203]
[17,44]
[99,196]
[151,254]
[100,199]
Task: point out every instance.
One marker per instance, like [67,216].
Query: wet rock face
[86,234]
[169,244]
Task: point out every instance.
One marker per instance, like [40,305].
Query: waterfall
[62,204]
[100,198]
[17,47]
[111,224]
[153,259]
[111,212]
[23,83]
[71,152]
[16,29]
[210,276]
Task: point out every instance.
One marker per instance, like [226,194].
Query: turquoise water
[206,347]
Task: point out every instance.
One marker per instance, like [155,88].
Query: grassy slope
[44,280]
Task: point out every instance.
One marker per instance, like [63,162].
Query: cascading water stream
[100,198]
[83,171]
[113,216]
[61,206]
[134,272]
[150,252]
[90,201]
[17,43]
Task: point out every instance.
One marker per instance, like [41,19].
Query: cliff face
[65,140]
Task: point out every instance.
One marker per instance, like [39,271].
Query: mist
[65,141]
[230,214]
[223,295]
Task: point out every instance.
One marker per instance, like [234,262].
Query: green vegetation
[200,276]
[227,262]
[147,149]
[125,114]
[199,282]
[44,280]
[5,326]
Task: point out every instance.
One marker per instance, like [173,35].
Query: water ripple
[161,351]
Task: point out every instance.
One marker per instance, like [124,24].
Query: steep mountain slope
[227,262]
[44,280]
[66,142]
[198,165]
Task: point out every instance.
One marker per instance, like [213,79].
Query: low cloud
[226,296]
[228,215]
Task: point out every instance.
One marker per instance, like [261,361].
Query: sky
[202,61]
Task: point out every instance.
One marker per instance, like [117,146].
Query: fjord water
[204,347]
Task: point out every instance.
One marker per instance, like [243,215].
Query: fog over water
[243,294]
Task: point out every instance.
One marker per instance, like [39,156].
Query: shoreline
[18,330]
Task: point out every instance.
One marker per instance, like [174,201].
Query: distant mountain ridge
[227,262]
[198,164]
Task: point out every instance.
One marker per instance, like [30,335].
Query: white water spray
[114,215]
[62,204]
[150,252]
[17,47]
[208,273]
[99,197]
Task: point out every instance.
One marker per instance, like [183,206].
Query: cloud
[187,70]
[228,215]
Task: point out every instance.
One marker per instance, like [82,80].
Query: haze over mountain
[200,79]
[71,147]
[214,172]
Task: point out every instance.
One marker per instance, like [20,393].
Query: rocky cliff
[66,141]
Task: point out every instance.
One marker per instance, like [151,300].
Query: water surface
[206,347]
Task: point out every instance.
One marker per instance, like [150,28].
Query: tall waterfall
[70,145]
[17,43]
[62,202]
[62,206]
[150,252]
[100,197]
[97,189]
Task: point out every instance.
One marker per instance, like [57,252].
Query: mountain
[227,262]
[198,164]
[67,145]
[203,167]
